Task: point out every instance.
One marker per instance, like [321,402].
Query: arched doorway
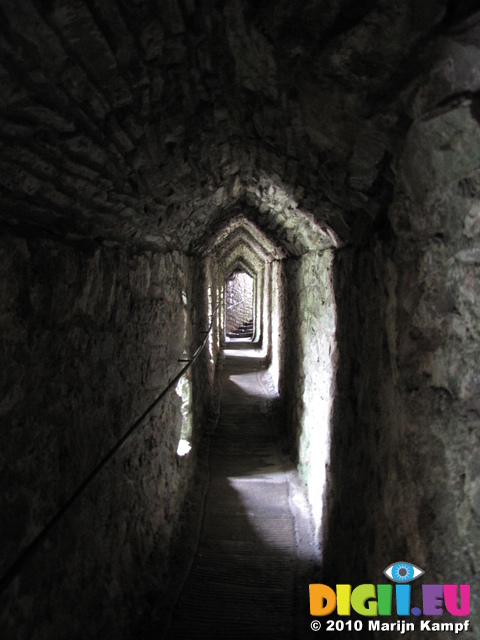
[239,306]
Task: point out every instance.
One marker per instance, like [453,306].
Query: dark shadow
[352,495]
[291,388]
[241,343]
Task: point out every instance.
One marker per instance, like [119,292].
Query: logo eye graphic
[403,572]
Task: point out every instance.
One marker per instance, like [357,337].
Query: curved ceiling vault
[241,231]
[240,252]
[153,123]
[241,265]
[243,258]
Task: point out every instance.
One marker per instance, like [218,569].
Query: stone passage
[249,578]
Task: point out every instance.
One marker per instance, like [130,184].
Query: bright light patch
[183,448]
[245,353]
[254,497]
[183,391]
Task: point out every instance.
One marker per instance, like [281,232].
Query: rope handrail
[239,302]
[36,543]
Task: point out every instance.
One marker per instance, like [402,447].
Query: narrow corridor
[250,574]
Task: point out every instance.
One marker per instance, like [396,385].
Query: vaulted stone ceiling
[155,122]
[240,228]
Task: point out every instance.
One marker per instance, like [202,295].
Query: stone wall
[309,369]
[202,306]
[368,503]
[403,480]
[90,336]
[437,327]
[276,321]
[214,298]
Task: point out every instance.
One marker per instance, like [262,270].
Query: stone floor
[255,555]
